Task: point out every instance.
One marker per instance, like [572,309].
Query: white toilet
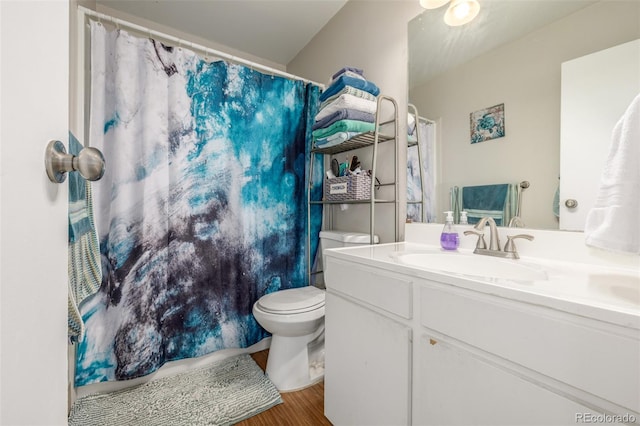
[295,319]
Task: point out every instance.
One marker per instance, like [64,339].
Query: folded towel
[612,223]
[351,69]
[347,102]
[348,74]
[84,264]
[344,126]
[343,81]
[348,90]
[335,139]
[341,114]
[411,124]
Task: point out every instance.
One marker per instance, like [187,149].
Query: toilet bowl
[295,319]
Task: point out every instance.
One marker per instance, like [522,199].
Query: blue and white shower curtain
[202,208]
[425,186]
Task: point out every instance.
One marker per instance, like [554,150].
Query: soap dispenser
[449,239]
[463,218]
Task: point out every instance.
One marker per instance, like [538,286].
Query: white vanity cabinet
[368,347]
[483,359]
[403,347]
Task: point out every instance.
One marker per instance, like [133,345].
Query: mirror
[510,56]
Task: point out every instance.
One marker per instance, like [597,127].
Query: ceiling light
[433,4]
[461,12]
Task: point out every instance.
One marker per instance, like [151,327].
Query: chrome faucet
[516,222]
[494,240]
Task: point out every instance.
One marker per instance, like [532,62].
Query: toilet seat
[292,301]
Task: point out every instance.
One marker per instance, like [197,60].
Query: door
[34,40]
[596,91]
[367,366]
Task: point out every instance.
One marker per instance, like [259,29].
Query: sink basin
[474,265]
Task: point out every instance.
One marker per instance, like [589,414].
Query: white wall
[371,35]
[525,76]
[33,214]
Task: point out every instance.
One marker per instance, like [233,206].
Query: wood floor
[301,408]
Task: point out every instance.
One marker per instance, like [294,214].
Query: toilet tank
[336,239]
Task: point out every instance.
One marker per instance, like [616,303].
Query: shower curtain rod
[119,23]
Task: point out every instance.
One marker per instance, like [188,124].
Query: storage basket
[345,188]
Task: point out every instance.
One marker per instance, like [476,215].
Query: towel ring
[89,162]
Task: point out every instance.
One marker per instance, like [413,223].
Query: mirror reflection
[489,95]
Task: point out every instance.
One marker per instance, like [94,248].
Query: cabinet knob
[571,203]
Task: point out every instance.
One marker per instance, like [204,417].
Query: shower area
[203,205]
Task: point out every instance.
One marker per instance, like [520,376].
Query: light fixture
[461,12]
[433,4]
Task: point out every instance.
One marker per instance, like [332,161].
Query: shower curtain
[426,186]
[202,208]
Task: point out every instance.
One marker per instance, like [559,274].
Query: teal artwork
[487,124]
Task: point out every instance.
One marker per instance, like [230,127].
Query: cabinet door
[367,366]
[457,387]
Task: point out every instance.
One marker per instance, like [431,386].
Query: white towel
[614,221]
[347,101]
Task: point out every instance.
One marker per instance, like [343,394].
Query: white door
[367,366]
[596,91]
[34,40]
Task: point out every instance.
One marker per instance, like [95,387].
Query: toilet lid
[293,300]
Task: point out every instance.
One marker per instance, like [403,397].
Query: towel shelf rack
[89,162]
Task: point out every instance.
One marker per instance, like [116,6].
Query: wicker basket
[345,188]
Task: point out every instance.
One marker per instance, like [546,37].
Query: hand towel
[343,81]
[345,69]
[614,221]
[344,113]
[347,102]
[344,126]
[485,200]
[84,264]
[349,91]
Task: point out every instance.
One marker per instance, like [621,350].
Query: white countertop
[600,292]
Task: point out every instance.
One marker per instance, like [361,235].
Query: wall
[371,35]
[33,213]
[525,76]
[184,36]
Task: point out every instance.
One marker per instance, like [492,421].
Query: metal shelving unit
[414,111]
[385,131]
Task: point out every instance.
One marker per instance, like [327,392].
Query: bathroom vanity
[417,335]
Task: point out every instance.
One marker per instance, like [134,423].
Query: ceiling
[275,30]
[435,47]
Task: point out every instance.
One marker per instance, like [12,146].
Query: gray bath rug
[222,393]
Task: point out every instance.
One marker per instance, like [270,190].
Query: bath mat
[223,393]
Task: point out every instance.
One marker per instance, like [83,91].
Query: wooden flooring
[301,408]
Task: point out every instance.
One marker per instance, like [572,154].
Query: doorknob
[571,203]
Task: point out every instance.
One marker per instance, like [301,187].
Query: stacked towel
[412,134]
[347,108]
[84,267]
[612,223]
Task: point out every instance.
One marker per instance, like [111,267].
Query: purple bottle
[449,239]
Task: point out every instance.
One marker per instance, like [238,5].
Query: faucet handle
[481,244]
[510,247]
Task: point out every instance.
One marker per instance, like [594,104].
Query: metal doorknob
[571,203]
